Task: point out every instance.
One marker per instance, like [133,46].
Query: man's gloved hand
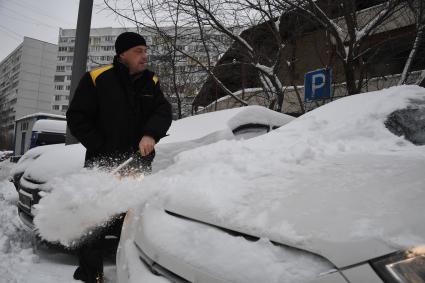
[146,145]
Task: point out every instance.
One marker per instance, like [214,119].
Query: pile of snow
[15,243]
[195,127]
[4,154]
[203,129]
[223,180]
[204,124]
[258,115]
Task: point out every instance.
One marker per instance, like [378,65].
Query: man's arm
[81,114]
[160,120]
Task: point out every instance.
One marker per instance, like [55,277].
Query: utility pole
[79,64]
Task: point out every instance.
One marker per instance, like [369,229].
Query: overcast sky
[42,19]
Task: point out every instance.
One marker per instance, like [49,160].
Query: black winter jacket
[110,112]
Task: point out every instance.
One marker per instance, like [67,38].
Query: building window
[61,58]
[68,78]
[24,126]
[58,97]
[66,97]
[94,48]
[94,40]
[69,68]
[62,48]
[59,87]
[59,78]
[55,107]
[107,48]
[60,68]
[68,87]
[64,107]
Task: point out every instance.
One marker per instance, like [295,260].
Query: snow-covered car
[34,171]
[337,195]
[36,167]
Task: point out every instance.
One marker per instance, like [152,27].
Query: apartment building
[26,84]
[101,52]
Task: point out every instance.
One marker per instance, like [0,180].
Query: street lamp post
[79,64]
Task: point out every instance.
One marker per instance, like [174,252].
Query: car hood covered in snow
[57,160]
[30,156]
[335,181]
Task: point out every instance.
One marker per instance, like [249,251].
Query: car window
[410,123]
[248,131]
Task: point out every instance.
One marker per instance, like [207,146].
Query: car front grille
[27,198]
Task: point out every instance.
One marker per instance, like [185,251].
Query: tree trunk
[350,79]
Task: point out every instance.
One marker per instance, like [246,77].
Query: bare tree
[222,15]
[174,33]
[226,18]
[349,29]
[418,10]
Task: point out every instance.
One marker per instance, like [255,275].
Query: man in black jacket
[117,110]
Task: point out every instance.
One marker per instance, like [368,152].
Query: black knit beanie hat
[128,40]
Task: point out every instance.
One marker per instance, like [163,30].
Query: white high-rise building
[26,84]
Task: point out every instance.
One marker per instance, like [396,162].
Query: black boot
[80,274]
[91,265]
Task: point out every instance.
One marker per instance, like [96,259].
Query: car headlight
[402,267]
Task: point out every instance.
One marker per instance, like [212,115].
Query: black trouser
[92,250]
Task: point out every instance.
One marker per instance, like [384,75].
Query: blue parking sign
[317,85]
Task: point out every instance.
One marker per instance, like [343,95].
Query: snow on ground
[4,153]
[22,258]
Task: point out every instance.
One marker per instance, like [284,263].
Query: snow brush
[137,164]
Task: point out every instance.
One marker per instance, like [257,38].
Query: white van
[48,132]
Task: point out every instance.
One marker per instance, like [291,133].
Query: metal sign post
[79,64]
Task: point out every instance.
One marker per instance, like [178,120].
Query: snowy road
[20,259]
